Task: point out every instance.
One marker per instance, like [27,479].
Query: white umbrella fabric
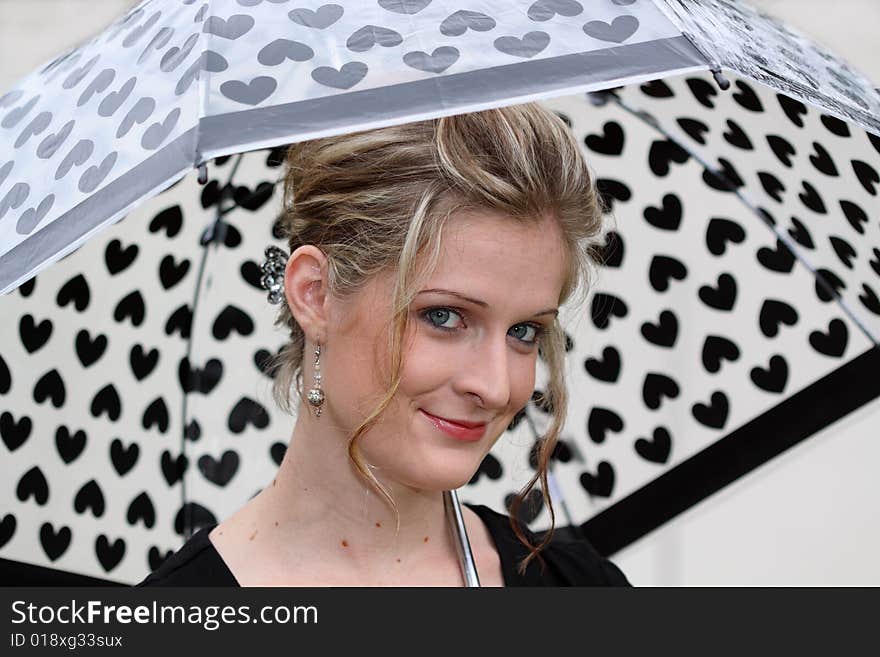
[175,83]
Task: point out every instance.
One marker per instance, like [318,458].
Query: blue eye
[527,334]
[442,316]
[535,333]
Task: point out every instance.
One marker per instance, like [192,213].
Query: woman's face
[470,352]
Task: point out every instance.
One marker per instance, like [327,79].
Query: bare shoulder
[220,536]
[241,548]
[223,538]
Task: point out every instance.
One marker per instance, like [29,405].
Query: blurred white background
[815,509]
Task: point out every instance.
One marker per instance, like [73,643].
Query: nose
[485,373]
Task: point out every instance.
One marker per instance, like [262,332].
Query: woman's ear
[306,289]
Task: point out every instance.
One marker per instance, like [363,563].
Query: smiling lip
[456,428]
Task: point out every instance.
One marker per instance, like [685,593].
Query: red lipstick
[471,431]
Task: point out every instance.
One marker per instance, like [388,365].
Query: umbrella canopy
[704,346]
[706,343]
[175,83]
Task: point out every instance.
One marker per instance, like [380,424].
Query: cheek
[426,364]
[352,374]
[354,388]
[522,383]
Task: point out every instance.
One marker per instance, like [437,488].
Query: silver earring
[316,394]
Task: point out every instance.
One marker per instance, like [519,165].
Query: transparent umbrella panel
[136,401]
[173,84]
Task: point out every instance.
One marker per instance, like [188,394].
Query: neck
[323,505]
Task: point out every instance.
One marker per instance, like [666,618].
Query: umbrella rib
[218,217]
[604,96]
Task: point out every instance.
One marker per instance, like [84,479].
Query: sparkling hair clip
[273,273]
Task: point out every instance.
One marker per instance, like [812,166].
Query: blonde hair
[374,201]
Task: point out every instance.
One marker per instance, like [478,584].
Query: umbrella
[173,84]
[126,429]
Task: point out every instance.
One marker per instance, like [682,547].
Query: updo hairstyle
[377,201]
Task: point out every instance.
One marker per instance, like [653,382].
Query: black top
[568,562]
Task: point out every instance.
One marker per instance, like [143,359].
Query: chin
[443,474]
[428,460]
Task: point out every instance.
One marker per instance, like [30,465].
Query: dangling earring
[316,394]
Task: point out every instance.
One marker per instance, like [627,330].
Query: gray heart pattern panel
[374,38]
[151,76]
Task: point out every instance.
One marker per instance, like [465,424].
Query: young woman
[427,265]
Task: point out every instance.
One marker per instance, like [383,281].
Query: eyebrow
[483,304]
